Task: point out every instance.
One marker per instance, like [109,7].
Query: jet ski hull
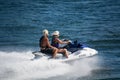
[81,53]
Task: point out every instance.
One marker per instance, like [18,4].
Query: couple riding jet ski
[61,46]
[47,48]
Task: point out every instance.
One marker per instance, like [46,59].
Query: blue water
[95,23]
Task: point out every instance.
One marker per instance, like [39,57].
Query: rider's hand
[69,41]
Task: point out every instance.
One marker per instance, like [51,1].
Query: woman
[56,41]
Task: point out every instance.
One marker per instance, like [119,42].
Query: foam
[19,66]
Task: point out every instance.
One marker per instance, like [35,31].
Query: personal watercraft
[76,51]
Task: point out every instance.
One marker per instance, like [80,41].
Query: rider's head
[45,32]
[56,33]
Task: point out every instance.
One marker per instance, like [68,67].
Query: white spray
[18,66]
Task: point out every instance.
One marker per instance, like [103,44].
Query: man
[47,48]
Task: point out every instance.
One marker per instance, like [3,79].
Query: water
[95,23]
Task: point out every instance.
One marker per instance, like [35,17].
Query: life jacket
[54,43]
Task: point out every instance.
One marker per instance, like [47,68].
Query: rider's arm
[61,42]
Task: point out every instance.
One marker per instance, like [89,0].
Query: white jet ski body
[81,53]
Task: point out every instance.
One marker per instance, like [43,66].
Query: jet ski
[75,49]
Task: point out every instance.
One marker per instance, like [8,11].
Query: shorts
[48,51]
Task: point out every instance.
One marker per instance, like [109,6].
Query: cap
[56,33]
[45,31]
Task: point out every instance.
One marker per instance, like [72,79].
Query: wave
[19,66]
